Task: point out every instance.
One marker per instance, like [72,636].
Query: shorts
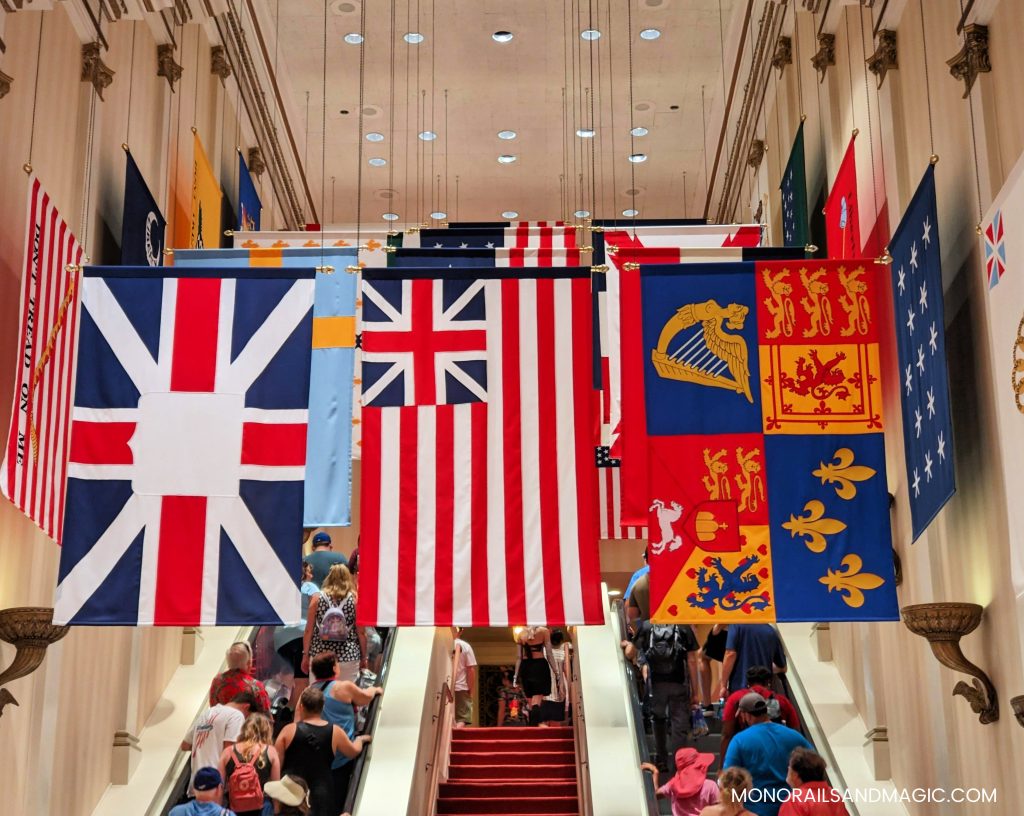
[464,707]
[291,653]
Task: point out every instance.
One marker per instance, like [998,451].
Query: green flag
[794,195]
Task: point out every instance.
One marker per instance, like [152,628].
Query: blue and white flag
[142,224]
[249,205]
[328,490]
[188,448]
[921,343]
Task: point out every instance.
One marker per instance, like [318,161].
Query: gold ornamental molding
[884,57]
[31,631]
[783,55]
[5,84]
[219,64]
[943,625]
[94,70]
[972,59]
[825,55]
[166,67]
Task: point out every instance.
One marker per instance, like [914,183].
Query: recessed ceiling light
[614,593]
[413,37]
[630,213]
[591,34]
[582,213]
[502,36]
[354,38]
[509,214]
[639,131]
[374,137]
[506,134]
[506,158]
[376,162]
[390,216]
[428,135]
[636,158]
[439,216]
[650,34]
[585,133]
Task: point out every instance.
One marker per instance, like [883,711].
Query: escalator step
[511,733]
[495,789]
[525,745]
[458,773]
[512,758]
[525,806]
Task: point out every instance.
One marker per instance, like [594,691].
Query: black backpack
[665,650]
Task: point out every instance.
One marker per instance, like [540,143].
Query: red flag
[842,220]
[36,455]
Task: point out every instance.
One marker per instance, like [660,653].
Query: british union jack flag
[424,342]
[188,448]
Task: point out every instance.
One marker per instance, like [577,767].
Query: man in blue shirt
[323,557]
[209,788]
[749,644]
[640,573]
[763,748]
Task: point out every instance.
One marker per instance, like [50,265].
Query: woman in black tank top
[535,667]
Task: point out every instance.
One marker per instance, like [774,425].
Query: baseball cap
[753,703]
[321,538]
[207,779]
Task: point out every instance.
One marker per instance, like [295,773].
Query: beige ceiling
[491,87]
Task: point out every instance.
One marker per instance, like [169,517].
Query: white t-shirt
[220,724]
[466,659]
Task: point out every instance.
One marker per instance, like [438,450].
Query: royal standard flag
[202,228]
[766,455]
[327,496]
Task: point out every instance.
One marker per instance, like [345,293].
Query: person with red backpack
[780,709]
[248,765]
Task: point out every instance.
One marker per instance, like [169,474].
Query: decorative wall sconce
[30,631]
[1017,704]
[942,625]
[5,84]
[972,59]
[219,64]
[755,155]
[94,70]
[884,57]
[166,66]
[825,56]
[783,55]
[257,165]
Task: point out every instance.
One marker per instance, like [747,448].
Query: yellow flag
[204,218]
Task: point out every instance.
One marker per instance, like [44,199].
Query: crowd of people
[286,743]
[688,674]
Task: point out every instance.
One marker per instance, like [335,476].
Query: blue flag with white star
[920,340]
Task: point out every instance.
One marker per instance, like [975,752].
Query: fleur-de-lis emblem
[279,244]
[249,244]
[850,582]
[341,242]
[813,526]
[842,472]
[373,244]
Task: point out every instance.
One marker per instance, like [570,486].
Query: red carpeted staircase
[511,771]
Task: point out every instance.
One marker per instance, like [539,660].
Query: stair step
[512,758]
[458,773]
[525,745]
[525,806]
[511,733]
[499,789]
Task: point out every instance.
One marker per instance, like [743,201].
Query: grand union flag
[188,448]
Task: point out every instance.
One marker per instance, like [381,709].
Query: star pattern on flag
[902,283]
[933,338]
[603,457]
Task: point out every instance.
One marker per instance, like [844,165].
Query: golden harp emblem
[707,355]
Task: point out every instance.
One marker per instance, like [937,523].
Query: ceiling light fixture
[354,38]
[413,38]
[506,158]
[508,215]
[582,213]
[374,137]
[585,133]
[390,216]
[502,36]
[428,135]
[614,593]
[506,134]
[650,34]
[439,216]
[630,213]
[591,34]
[636,158]
[376,162]
[639,131]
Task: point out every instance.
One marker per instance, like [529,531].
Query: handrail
[636,709]
[373,714]
[447,697]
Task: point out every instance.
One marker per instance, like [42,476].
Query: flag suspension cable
[433,101]
[391,108]
[87,177]
[867,102]
[799,64]
[323,146]
[362,134]
[409,133]
[445,224]
[974,141]
[927,81]
[611,113]
[704,124]
[131,87]
[172,186]
[632,112]
[27,167]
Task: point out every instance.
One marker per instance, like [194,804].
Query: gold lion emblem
[709,356]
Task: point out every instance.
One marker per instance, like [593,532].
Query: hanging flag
[371,243]
[249,205]
[35,457]
[498,257]
[142,224]
[492,237]
[478,477]
[609,500]
[1003,251]
[921,344]
[201,229]
[767,461]
[842,218]
[327,498]
[794,195]
[188,448]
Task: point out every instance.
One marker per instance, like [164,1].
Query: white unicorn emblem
[666,517]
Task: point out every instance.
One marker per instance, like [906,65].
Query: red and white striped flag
[478,482]
[35,458]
